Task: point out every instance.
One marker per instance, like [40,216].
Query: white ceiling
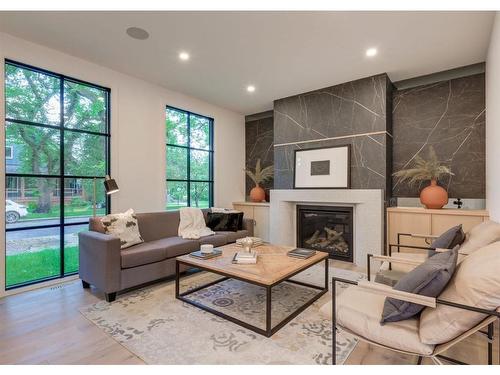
[281,53]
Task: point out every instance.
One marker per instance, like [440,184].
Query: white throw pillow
[476,283]
[124,226]
[480,236]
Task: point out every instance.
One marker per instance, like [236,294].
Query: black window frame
[210,150]
[61,176]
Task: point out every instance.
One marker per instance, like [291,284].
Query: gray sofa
[104,265]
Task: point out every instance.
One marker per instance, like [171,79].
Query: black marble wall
[351,113]
[259,141]
[450,116]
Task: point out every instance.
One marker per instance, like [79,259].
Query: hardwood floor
[45,327]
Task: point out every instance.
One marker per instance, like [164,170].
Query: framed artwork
[322,168]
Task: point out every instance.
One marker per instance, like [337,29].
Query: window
[9,152]
[59,129]
[189,159]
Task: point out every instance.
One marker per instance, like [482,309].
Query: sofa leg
[85,284]
[419,360]
[110,297]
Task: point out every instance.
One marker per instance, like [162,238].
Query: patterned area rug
[159,329]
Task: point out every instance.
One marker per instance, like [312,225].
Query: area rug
[159,329]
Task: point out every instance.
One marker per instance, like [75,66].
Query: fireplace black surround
[326,228]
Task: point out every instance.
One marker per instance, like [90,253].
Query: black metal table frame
[269,331]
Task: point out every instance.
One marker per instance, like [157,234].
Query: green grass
[25,267]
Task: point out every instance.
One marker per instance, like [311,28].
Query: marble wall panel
[259,141]
[349,112]
[450,116]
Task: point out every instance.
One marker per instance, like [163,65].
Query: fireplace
[326,228]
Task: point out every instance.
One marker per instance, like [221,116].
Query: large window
[189,159]
[57,131]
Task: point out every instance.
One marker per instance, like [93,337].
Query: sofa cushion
[428,279]
[481,235]
[359,311]
[144,253]
[215,239]
[475,283]
[157,225]
[177,246]
[233,236]
[449,239]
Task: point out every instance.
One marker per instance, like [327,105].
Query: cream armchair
[358,310]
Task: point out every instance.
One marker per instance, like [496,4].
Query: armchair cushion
[359,311]
[475,283]
[449,239]
[481,235]
[428,279]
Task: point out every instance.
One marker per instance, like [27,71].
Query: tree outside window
[58,130]
[189,159]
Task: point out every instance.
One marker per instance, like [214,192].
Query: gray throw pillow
[428,279]
[449,239]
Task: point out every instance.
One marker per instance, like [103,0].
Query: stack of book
[301,253]
[245,257]
[256,241]
[198,254]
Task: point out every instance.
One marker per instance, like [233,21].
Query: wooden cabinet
[423,221]
[259,212]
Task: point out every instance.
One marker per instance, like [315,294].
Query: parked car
[14,211]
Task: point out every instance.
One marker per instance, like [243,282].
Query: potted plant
[258,176]
[432,196]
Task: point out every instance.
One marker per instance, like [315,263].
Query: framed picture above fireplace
[322,168]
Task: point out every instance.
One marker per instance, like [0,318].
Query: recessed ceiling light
[251,88]
[137,33]
[184,56]
[370,52]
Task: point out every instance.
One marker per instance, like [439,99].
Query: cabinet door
[408,222]
[261,217]
[441,223]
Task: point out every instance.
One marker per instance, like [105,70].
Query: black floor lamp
[110,186]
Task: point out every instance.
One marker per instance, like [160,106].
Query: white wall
[493,122]
[137,131]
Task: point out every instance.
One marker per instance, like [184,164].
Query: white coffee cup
[207,249]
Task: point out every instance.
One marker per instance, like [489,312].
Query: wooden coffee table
[273,267]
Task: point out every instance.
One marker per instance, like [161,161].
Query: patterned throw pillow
[124,226]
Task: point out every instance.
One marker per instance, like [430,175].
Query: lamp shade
[110,185]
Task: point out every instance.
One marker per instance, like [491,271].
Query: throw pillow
[475,283]
[449,239]
[223,221]
[230,211]
[124,226]
[480,236]
[428,279]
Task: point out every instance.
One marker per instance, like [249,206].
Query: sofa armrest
[248,224]
[100,260]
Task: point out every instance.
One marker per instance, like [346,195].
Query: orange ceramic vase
[257,194]
[434,196]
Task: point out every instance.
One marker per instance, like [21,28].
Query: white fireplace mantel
[368,216]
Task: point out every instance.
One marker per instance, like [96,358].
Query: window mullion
[61,184]
[188,150]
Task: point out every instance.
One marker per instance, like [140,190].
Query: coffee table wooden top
[273,265]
